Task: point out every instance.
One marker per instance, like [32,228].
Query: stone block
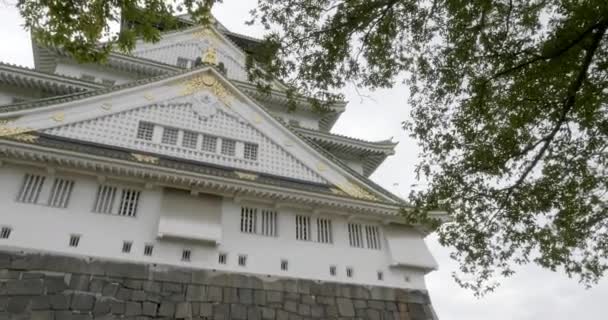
[54,284]
[40,303]
[416,311]
[196,293]
[231,295]
[166,309]
[326,300]
[291,306]
[221,311]
[126,270]
[245,295]
[317,311]
[151,286]
[102,306]
[17,304]
[32,275]
[183,310]
[96,285]
[308,299]
[132,308]
[304,309]
[9,274]
[359,304]
[24,287]
[254,313]
[171,287]
[149,309]
[331,311]
[133,284]
[282,315]
[60,301]
[82,302]
[268,313]
[138,295]
[373,314]
[375,304]
[110,289]
[382,293]
[259,297]
[42,315]
[173,275]
[214,294]
[80,282]
[274,296]
[345,307]
[238,311]
[206,310]
[200,277]
[118,307]
[124,294]
[153,297]
[3,303]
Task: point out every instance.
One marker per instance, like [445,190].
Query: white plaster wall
[354,164]
[39,227]
[307,120]
[76,70]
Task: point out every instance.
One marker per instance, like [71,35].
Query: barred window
[372,235]
[284,265]
[145,131]
[249,217]
[126,246]
[105,199]
[128,203]
[228,147]
[269,223]
[30,188]
[190,139]
[5,232]
[222,258]
[60,193]
[209,143]
[251,151]
[148,249]
[302,228]
[355,235]
[74,240]
[186,255]
[170,136]
[242,260]
[350,272]
[380,275]
[324,234]
[182,62]
[332,271]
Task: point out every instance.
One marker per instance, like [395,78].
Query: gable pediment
[200,102]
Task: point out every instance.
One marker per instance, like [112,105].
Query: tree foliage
[508,104]
[84,28]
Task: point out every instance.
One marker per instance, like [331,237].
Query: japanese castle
[152,157]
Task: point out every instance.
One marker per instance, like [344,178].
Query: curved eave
[372,154]
[31,79]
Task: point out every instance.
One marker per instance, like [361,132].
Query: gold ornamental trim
[207,81]
[246,176]
[144,158]
[356,191]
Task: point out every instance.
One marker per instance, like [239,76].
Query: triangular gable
[193,43]
[194,96]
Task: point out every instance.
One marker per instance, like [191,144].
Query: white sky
[532,293]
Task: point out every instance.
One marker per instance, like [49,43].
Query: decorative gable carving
[203,116]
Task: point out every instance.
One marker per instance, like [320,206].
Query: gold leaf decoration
[24,137]
[207,81]
[6,131]
[356,191]
[148,96]
[321,167]
[58,117]
[210,56]
[246,176]
[144,158]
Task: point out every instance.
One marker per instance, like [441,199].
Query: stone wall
[41,287]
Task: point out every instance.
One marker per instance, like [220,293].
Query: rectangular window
[105,199]
[145,131]
[350,272]
[242,260]
[222,258]
[170,136]
[148,249]
[228,147]
[269,223]
[74,240]
[5,232]
[128,203]
[380,275]
[126,246]
[60,193]
[30,189]
[249,217]
[324,231]
[87,77]
[372,235]
[251,151]
[332,271]
[108,82]
[186,255]
[182,62]
[284,265]
[190,139]
[303,228]
[209,143]
[355,235]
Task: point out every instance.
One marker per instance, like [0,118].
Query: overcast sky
[531,294]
